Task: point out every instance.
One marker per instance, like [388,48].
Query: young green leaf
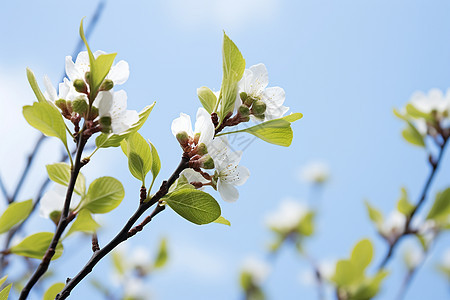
[84,223]
[413,136]
[362,255]
[104,194]
[222,220]
[139,155]
[403,204]
[292,117]
[162,256]
[369,287]
[207,98]
[3,280]
[53,290]
[36,245]
[180,184]
[113,140]
[156,162]
[415,113]
[306,225]
[440,211]
[34,85]
[4,294]
[233,69]
[46,118]
[195,206]
[374,214]
[61,172]
[118,262]
[102,67]
[345,273]
[14,214]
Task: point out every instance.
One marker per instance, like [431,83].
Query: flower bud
[196,138]
[87,77]
[259,107]
[260,117]
[80,106]
[207,162]
[94,113]
[201,149]
[249,101]
[55,216]
[183,138]
[105,124]
[246,119]
[244,111]
[80,86]
[243,96]
[107,85]
[61,104]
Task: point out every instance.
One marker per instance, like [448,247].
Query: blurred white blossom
[288,215]
[53,200]
[315,172]
[256,268]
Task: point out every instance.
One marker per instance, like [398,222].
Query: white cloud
[226,14]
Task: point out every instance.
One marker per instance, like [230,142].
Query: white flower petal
[193,176]
[71,70]
[104,102]
[119,73]
[204,126]
[50,89]
[244,174]
[183,123]
[227,191]
[260,78]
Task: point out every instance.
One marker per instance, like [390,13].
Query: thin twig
[62,224]
[407,230]
[124,233]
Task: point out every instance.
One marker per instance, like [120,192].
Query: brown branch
[127,231]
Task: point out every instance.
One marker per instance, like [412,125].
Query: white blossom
[254,83]
[114,105]
[66,91]
[288,215]
[118,74]
[136,289]
[53,200]
[228,171]
[256,268]
[413,255]
[203,126]
[394,225]
[315,172]
[193,176]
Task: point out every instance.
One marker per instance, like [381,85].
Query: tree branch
[62,224]
[125,232]
[434,166]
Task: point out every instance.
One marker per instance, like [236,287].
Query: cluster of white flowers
[254,84]
[53,201]
[288,216]
[210,152]
[436,104]
[111,105]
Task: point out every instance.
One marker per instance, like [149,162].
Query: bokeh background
[343,64]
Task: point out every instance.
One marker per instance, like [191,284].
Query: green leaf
[306,225]
[162,256]
[84,223]
[61,172]
[278,132]
[195,206]
[345,274]
[399,115]
[139,155]
[415,113]
[3,280]
[370,287]
[222,220]
[99,67]
[36,245]
[52,291]
[5,292]
[104,194]
[113,140]
[34,85]
[102,67]
[413,136]
[118,262]
[403,204]
[180,184]
[440,210]
[362,255]
[292,117]
[156,162]
[207,98]
[374,214]
[233,69]
[14,214]
[46,118]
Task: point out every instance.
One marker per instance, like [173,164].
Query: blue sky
[343,64]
